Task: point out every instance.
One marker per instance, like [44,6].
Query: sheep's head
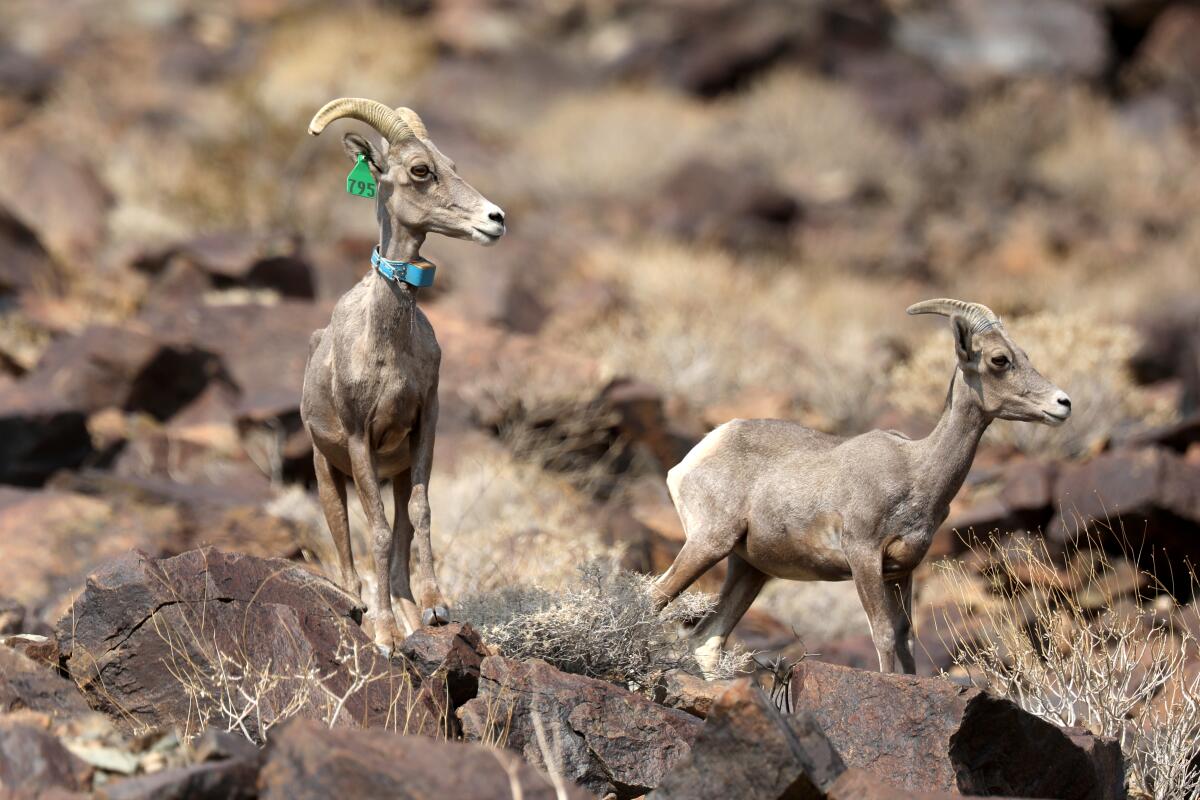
[1004,382]
[418,185]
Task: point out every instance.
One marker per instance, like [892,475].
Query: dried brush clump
[1069,647]
[1088,358]
[603,625]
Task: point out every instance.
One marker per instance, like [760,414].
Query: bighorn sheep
[781,500]
[370,385]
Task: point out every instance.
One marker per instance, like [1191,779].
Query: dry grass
[604,624]
[1067,646]
[1088,358]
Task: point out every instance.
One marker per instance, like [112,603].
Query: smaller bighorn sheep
[370,386]
[783,501]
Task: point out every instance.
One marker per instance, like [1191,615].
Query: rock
[216,780]
[24,263]
[689,693]
[26,684]
[226,767]
[206,614]
[748,749]
[74,532]
[33,762]
[56,195]
[452,652]
[36,439]
[1167,55]
[1126,491]
[306,760]
[730,206]
[12,616]
[24,76]
[927,734]
[598,735]
[858,784]
[243,259]
[975,41]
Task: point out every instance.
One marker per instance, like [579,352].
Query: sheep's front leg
[887,606]
[429,596]
[362,463]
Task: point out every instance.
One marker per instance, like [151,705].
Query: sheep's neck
[947,452]
[393,303]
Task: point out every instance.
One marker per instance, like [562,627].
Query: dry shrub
[604,625]
[816,137]
[618,144]
[1088,358]
[707,326]
[1065,646]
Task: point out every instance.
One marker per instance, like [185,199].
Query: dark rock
[927,734]
[748,749]
[73,533]
[1167,57]
[240,258]
[306,760]
[974,41]
[24,76]
[140,619]
[12,616]
[27,684]
[600,736]
[452,652]
[33,762]
[859,784]
[213,780]
[39,439]
[730,206]
[56,195]
[24,263]
[678,689]
[1124,492]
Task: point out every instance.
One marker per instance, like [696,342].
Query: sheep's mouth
[486,236]
[1053,419]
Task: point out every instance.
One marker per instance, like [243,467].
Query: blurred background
[717,208]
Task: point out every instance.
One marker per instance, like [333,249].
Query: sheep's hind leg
[742,584]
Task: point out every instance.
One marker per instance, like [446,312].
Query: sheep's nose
[1063,400]
[497,216]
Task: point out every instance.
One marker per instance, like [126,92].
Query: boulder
[748,749]
[27,685]
[452,652]
[244,259]
[858,784]
[34,763]
[1167,55]
[927,734]
[306,760]
[678,689]
[595,734]
[53,537]
[226,768]
[1125,492]
[153,642]
[975,41]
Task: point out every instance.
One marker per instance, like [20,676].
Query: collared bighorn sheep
[370,386]
[783,501]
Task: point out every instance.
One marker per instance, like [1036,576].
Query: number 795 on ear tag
[360,182]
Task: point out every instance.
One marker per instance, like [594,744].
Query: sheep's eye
[420,171]
[1000,362]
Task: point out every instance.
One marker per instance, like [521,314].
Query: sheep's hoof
[438,615]
[384,650]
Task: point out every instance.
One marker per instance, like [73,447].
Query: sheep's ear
[358,146]
[963,334]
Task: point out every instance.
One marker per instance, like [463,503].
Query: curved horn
[380,117]
[980,316]
[413,122]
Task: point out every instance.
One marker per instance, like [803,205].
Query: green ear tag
[360,181]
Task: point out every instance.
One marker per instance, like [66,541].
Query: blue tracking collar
[415,274]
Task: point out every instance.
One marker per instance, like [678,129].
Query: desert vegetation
[715,210]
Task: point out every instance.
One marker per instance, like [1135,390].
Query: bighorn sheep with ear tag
[783,501]
[370,386]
